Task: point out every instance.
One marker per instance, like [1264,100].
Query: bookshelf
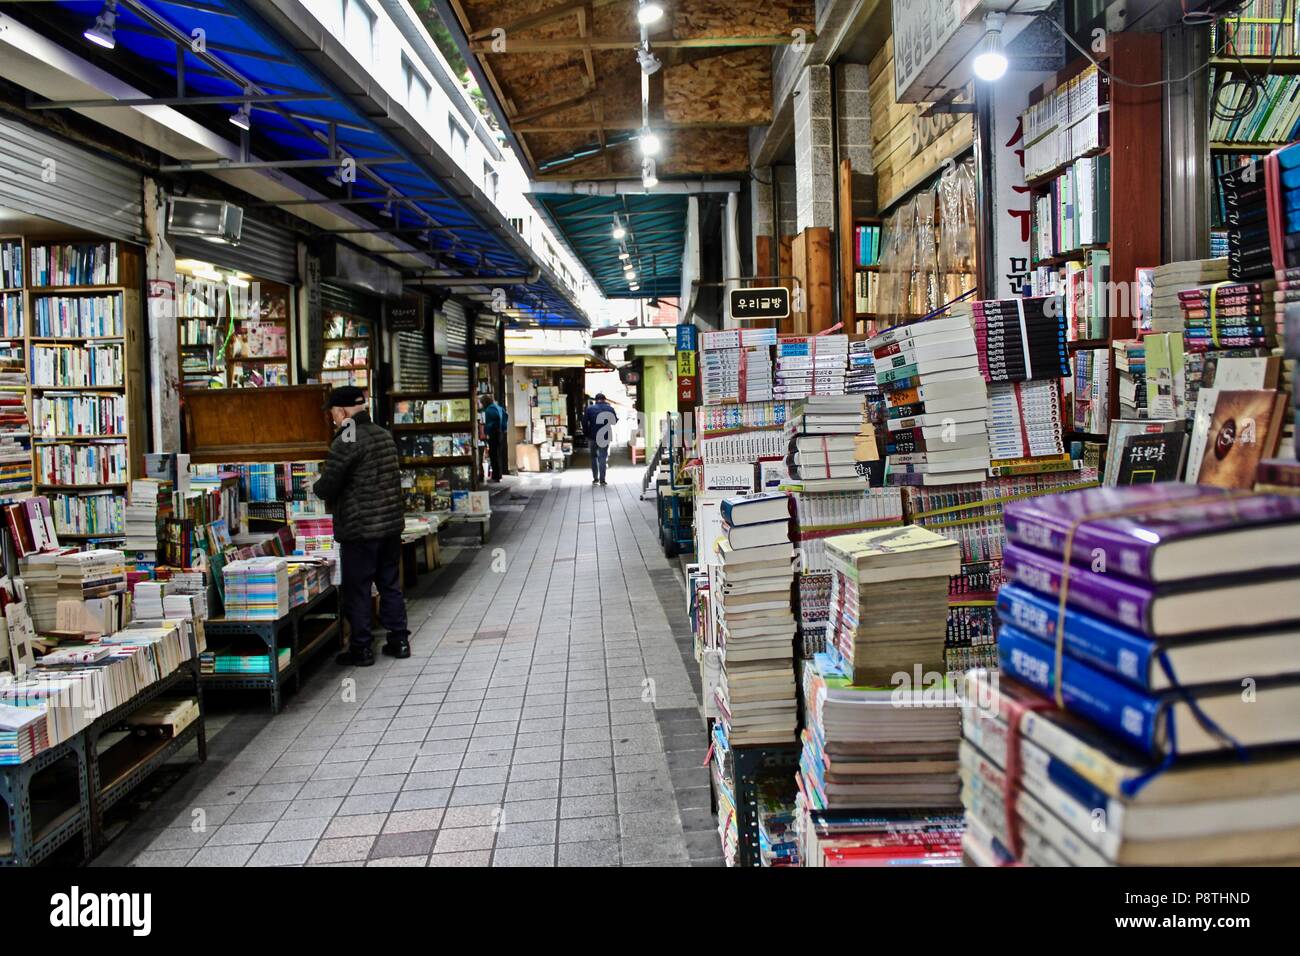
[77,362]
[1086,135]
[435,434]
[348,358]
[15,410]
[233,328]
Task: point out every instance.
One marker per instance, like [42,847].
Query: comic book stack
[937,402]
[810,365]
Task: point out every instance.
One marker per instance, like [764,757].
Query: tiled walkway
[546,717]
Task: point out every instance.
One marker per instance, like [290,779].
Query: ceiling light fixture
[650,63]
[650,144]
[620,232]
[648,12]
[243,117]
[990,63]
[624,254]
[101,33]
[236,281]
[649,178]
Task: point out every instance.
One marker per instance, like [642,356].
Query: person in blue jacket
[598,425]
[494,425]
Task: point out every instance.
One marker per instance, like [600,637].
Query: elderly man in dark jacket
[361,483]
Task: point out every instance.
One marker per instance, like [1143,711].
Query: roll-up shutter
[455,362]
[265,251]
[42,175]
[414,364]
[485,327]
[337,298]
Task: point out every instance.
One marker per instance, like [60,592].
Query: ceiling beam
[578,126]
[552,45]
[538,19]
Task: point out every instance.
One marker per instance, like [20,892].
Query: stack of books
[1025,422]
[810,365]
[229,660]
[736,366]
[860,378]
[1130,369]
[1021,339]
[901,576]
[1172,278]
[257,589]
[1244,196]
[1194,600]
[878,747]
[1237,315]
[149,505]
[937,401]
[751,600]
[23,733]
[821,515]
[830,443]
[86,575]
[877,772]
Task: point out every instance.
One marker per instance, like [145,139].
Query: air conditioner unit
[210,219]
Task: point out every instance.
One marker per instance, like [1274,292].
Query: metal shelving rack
[95,796]
[270,633]
[750,765]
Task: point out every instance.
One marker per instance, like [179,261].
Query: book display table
[484,522]
[65,790]
[426,540]
[304,631]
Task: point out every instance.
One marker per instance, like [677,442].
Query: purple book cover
[1129,543]
[1106,595]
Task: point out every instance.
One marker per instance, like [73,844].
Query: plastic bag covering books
[929,248]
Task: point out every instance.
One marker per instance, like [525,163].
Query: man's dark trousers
[379,562]
[497,453]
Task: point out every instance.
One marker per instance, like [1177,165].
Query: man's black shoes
[400,649]
[357,657]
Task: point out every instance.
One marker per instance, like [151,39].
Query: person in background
[360,482]
[494,425]
[598,425]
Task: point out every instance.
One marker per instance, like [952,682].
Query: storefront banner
[1011,199]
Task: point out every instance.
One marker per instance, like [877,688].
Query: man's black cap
[345,396]
[600,396]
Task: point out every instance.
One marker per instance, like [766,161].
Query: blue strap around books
[1132,787]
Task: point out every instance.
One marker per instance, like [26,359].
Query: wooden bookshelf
[124,287]
[205,325]
[1135,117]
[418,486]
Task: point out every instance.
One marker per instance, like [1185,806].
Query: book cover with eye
[1244,431]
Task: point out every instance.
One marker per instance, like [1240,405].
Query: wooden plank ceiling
[567,77]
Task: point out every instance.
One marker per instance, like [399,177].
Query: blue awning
[462,238]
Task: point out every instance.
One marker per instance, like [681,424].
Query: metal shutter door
[455,364]
[265,251]
[83,190]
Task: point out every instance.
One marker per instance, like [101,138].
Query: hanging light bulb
[650,144]
[624,254]
[990,63]
[649,178]
[648,12]
[620,233]
[101,33]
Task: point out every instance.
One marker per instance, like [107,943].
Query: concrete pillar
[814,157]
[160,320]
[787,207]
[853,116]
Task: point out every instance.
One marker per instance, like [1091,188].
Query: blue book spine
[1115,707]
[1094,641]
